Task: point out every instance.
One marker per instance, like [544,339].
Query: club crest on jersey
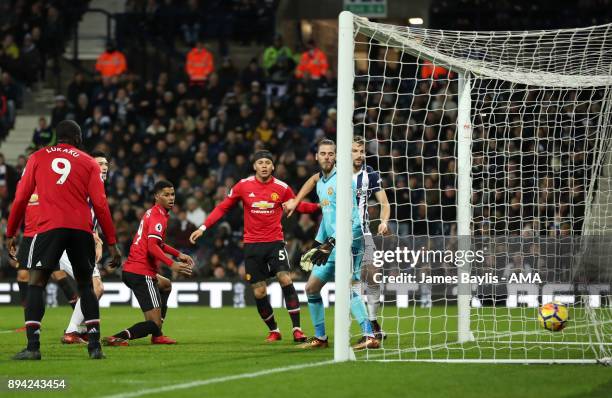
[330,191]
[34,198]
[263,204]
[158,227]
[274,196]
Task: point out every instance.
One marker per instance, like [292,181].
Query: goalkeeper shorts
[326,272]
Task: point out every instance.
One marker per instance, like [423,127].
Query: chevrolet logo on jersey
[263,204]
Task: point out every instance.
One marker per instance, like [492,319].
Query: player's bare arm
[99,245]
[385,211]
[308,186]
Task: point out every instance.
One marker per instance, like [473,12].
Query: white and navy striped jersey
[368,182]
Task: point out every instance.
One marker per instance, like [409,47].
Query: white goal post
[490,141]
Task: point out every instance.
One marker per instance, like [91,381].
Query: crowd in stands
[245,21]
[200,129]
[32,34]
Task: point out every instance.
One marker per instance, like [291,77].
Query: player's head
[326,154]
[102,160]
[68,132]
[358,152]
[263,164]
[164,194]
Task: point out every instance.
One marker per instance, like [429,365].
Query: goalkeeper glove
[321,254]
[306,262]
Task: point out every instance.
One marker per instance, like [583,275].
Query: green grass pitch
[219,348]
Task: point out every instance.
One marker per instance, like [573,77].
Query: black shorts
[264,260]
[23,253]
[47,249]
[145,289]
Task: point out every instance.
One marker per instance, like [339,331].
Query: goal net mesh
[536,108]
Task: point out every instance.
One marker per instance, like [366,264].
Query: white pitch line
[216,380]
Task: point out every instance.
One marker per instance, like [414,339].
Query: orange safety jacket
[199,64]
[111,64]
[315,64]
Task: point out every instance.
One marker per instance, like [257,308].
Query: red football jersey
[64,178]
[263,209]
[31,216]
[153,225]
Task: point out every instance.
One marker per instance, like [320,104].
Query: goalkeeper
[322,259]
[368,184]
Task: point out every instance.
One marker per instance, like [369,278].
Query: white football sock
[76,319]
[373,301]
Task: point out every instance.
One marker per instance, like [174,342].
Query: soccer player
[262,196]
[140,270]
[74,333]
[323,257]
[64,178]
[23,275]
[368,182]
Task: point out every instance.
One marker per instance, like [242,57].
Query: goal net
[494,151]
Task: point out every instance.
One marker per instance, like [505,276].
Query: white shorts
[65,266]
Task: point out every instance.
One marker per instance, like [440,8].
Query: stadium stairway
[35,104]
[92,30]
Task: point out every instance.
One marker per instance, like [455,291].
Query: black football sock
[93,333]
[23,292]
[68,290]
[139,330]
[34,312]
[91,312]
[164,303]
[375,326]
[265,312]
[293,304]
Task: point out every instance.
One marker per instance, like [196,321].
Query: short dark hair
[99,154]
[160,185]
[325,141]
[67,131]
[358,140]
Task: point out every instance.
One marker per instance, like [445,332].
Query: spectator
[253,73]
[13,98]
[199,64]
[179,230]
[276,52]
[43,135]
[312,62]
[78,86]
[195,214]
[31,61]
[60,111]
[111,62]
[8,178]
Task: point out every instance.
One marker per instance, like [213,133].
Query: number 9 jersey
[65,178]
